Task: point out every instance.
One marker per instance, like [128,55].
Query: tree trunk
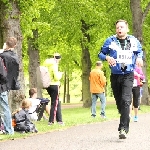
[86,66]
[137,19]
[64,93]
[68,94]
[10,26]
[34,61]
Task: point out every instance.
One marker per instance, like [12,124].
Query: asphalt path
[96,136]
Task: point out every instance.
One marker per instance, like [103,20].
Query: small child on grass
[22,119]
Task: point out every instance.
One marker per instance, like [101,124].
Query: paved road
[97,136]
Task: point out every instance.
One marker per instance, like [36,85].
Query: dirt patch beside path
[76,105]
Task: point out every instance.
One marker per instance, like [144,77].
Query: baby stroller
[40,109]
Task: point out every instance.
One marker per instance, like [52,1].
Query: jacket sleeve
[102,78]
[138,73]
[53,69]
[56,73]
[142,76]
[104,49]
[139,51]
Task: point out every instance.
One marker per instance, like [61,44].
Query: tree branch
[146,12]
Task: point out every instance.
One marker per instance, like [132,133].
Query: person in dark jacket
[11,62]
[122,51]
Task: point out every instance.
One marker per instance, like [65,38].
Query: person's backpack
[2,130]
[3,70]
[43,77]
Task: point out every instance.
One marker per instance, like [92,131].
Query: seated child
[34,104]
[22,119]
[38,105]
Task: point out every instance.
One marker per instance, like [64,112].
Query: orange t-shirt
[97,81]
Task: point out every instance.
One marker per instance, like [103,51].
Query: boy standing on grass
[97,88]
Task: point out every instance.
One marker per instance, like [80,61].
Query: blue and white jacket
[112,48]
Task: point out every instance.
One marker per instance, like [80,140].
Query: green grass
[74,117]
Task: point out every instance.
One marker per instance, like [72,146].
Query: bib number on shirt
[124,56]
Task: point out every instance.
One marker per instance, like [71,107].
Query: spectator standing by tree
[4,106]
[11,62]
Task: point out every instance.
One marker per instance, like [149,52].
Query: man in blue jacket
[122,51]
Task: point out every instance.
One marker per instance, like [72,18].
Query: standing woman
[53,89]
[138,77]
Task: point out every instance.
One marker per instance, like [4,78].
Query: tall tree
[60,29]
[138,18]
[33,63]
[10,26]
[36,26]
[86,64]
[73,27]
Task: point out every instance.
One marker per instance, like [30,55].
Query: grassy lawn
[74,117]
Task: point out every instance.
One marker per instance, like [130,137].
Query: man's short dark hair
[98,63]
[11,42]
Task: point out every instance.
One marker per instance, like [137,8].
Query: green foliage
[59,27]
[144,3]
[146,46]
[63,28]
[5,1]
